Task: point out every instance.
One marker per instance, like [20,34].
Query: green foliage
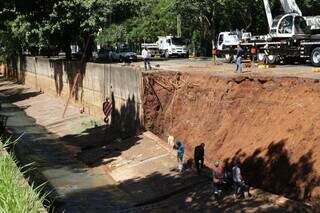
[152,18]
[196,40]
[76,21]
[15,194]
[78,16]
[112,35]
[55,24]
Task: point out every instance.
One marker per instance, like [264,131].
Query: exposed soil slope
[271,124]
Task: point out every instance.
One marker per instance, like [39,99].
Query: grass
[16,195]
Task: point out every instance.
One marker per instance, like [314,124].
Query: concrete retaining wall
[122,84]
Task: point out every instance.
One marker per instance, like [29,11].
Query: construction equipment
[291,37]
[107,109]
[229,40]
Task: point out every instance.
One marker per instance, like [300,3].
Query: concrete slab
[148,170]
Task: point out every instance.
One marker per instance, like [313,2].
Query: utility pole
[179,33]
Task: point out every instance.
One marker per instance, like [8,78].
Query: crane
[291,37]
[268,13]
[290,7]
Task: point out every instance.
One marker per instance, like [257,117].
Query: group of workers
[219,176]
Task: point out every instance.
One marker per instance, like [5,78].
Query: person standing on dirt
[180,153]
[146,58]
[238,59]
[239,186]
[217,176]
[199,157]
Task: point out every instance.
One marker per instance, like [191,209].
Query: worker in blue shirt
[238,60]
[180,154]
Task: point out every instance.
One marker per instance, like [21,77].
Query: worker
[171,140]
[239,185]
[180,153]
[217,177]
[199,157]
[146,55]
[238,59]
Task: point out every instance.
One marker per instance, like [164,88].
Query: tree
[144,22]
[77,21]
[52,25]
[112,35]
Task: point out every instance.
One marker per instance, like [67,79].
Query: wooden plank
[266,66]
[316,69]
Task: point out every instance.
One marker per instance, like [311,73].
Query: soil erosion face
[270,124]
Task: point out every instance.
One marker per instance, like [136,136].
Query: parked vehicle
[104,54]
[227,40]
[123,55]
[172,46]
[168,46]
[152,47]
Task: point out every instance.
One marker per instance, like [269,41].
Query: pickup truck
[123,55]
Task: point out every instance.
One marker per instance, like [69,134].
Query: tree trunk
[88,47]
[67,49]
[66,46]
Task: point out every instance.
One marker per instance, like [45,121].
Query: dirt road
[205,65]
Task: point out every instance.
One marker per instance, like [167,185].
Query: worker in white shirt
[239,184]
[146,58]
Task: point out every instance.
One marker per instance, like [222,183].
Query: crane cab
[289,25]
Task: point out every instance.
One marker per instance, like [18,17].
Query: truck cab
[288,26]
[172,46]
[227,39]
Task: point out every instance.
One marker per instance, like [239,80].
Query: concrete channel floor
[135,175]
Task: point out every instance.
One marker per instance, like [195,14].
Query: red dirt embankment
[271,124]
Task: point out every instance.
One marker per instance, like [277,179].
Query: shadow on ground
[272,170]
[93,142]
[191,198]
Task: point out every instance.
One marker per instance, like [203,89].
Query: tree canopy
[48,26]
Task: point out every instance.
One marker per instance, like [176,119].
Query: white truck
[152,47]
[230,39]
[172,46]
[167,46]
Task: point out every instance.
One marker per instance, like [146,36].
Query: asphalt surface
[222,68]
